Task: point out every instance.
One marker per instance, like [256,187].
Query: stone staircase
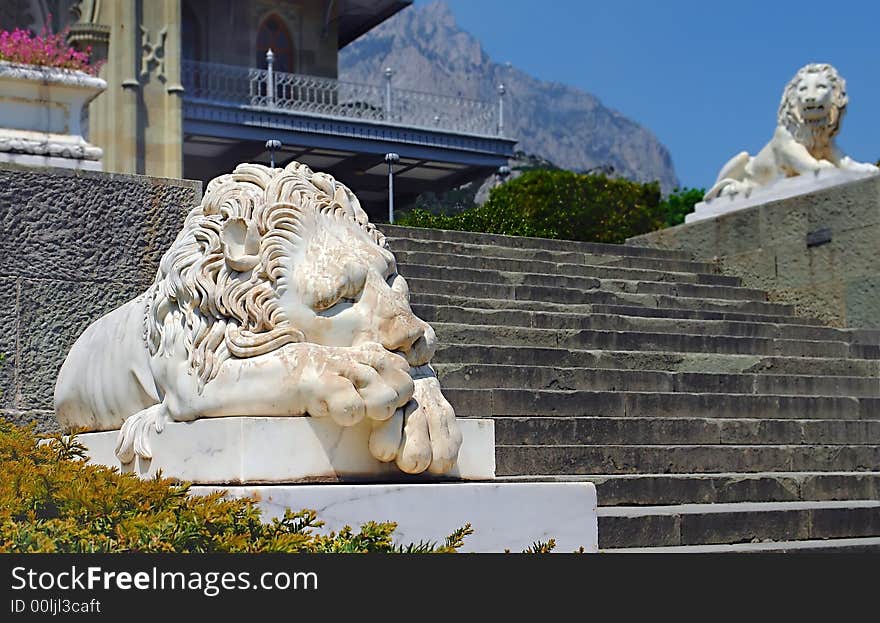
[709,418]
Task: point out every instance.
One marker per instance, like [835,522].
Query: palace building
[196,86]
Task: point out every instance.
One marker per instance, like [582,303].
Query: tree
[680,203]
[558,204]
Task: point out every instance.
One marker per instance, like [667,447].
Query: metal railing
[275,90]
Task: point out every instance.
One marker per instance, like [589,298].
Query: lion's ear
[341,198]
[241,244]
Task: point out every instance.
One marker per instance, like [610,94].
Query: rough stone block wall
[837,280]
[73,246]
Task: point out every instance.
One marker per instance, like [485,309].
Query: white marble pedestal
[280,461]
[503,515]
[781,189]
[255,450]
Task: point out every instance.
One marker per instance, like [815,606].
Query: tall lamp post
[391,158]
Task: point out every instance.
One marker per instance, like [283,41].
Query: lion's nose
[422,351]
[812,96]
[403,333]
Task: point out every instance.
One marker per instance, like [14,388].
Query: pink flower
[45,49]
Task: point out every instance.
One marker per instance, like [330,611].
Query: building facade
[196,86]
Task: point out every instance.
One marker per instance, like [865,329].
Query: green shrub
[51,501]
[680,203]
[558,204]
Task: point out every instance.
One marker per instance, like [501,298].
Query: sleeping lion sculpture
[278,298]
[812,109]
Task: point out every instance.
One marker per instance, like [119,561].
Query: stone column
[172,131]
[138,122]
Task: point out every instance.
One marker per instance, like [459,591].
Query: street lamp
[272,145]
[391,158]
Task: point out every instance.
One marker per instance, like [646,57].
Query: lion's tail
[734,170]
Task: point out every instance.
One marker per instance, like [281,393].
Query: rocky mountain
[565,125]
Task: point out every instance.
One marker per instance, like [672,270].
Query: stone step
[707,416]
[569,296]
[572,258]
[615,255]
[455,333]
[491,376]
[654,361]
[615,322]
[601,270]
[698,314]
[703,524]
[722,488]
[582,403]
[671,459]
[629,286]
[861,545]
[395,233]
[442,300]
[549,431]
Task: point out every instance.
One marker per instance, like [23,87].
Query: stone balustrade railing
[282,91]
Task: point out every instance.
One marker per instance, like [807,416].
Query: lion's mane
[220,312]
[815,137]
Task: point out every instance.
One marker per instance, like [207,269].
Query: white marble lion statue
[812,108]
[278,298]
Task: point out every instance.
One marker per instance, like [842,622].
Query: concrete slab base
[781,189]
[503,515]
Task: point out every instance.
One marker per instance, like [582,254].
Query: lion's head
[813,105]
[275,256]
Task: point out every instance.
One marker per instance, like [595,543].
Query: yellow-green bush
[51,501]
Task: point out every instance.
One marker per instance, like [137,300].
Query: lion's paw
[364,381]
[385,437]
[430,437]
[414,454]
[442,425]
[134,437]
[860,167]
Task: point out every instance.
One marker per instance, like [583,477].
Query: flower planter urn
[41,112]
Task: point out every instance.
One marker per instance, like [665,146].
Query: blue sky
[704,76]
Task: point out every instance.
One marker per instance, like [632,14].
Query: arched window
[274,34]
[190,34]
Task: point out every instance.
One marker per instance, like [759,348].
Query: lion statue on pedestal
[812,108]
[278,298]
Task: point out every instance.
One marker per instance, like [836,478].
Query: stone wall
[819,251]
[73,246]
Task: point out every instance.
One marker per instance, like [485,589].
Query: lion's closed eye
[338,285]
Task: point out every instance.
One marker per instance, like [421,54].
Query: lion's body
[809,118]
[278,298]
[107,375]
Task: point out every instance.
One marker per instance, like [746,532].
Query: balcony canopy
[355,17]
